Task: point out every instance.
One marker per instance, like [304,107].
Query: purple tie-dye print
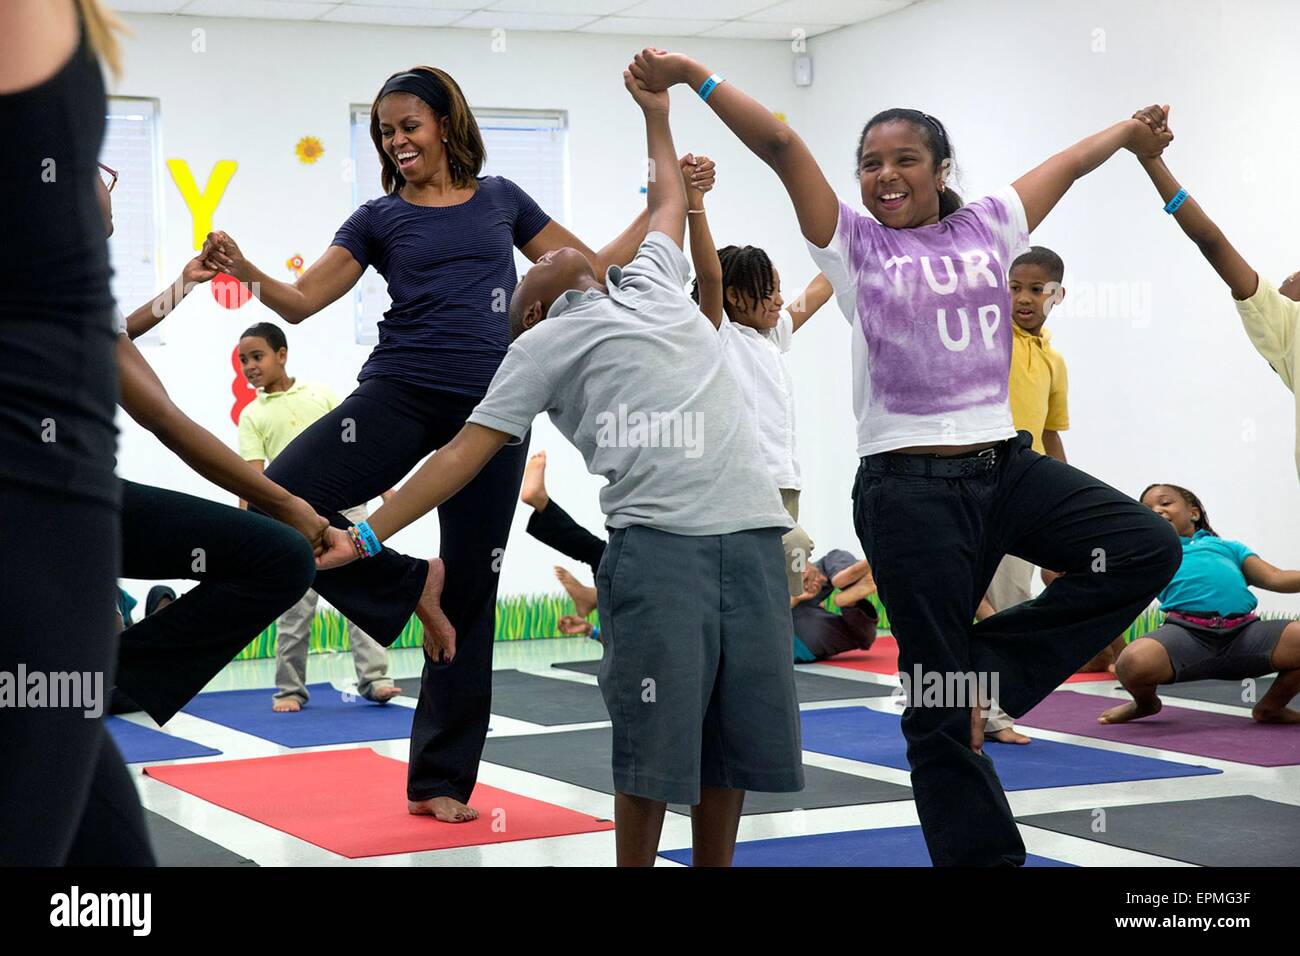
[933,313]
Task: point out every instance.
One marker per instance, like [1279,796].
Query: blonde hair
[102,27]
[465,151]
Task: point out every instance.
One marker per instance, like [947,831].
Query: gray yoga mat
[1216,691]
[548,701]
[545,700]
[173,845]
[582,758]
[1219,831]
[808,688]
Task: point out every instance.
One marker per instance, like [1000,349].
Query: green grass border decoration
[526,617]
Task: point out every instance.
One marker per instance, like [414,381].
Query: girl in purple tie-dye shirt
[946,487]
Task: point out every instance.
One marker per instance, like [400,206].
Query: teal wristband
[1180,197]
[707,86]
[368,538]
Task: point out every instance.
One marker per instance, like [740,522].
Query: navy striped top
[450,273]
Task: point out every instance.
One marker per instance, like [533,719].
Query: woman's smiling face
[412,136]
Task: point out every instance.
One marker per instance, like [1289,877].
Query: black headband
[421,85]
[943,137]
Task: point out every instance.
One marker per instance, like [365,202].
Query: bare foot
[439,635]
[382,695]
[1130,711]
[978,716]
[446,809]
[584,598]
[1009,735]
[289,705]
[533,492]
[1275,715]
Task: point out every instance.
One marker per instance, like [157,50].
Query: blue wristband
[707,87]
[1179,198]
[368,539]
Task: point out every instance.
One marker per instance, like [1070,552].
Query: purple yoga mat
[1178,729]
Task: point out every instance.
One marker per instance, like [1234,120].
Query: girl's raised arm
[817,294]
[771,140]
[1199,227]
[704,251]
[1041,188]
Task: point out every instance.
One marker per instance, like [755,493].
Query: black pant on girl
[353,454]
[934,544]
[250,570]
[553,527]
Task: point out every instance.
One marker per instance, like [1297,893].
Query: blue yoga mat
[889,846]
[870,736]
[143,744]
[330,717]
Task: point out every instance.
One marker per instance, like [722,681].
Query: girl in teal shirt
[1210,627]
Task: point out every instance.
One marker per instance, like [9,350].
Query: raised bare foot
[584,598]
[439,635]
[290,705]
[1008,735]
[446,809]
[1275,715]
[1130,711]
[533,492]
[382,695]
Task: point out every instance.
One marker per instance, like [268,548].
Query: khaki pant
[293,640]
[1010,586]
[798,546]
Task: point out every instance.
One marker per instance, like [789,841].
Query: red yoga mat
[883,659]
[353,802]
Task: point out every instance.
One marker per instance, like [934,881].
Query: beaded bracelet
[364,540]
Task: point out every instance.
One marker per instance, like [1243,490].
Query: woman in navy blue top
[444,239]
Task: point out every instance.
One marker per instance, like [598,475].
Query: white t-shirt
[758,362]
[932,322]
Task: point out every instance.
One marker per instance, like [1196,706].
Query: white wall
[261,85]
[1173,392]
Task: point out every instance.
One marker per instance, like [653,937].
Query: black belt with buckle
[934,466]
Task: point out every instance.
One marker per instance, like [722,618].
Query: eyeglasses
[111,179]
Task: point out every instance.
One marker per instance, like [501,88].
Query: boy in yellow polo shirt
[283,409]
[1039,405]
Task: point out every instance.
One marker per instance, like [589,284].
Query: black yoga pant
[553,527]
[934,544]
[250,569]
[59,769]
[354,453]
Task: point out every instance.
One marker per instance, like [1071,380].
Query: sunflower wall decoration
[308,150]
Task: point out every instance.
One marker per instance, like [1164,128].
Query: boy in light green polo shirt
[283,409]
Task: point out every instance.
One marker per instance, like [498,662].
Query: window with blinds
[528,147]
[131,146]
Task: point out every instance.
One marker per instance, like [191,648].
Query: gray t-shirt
[637,381]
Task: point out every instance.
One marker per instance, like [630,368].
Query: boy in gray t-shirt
[692,594]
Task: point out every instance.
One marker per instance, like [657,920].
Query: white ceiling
[734,19]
